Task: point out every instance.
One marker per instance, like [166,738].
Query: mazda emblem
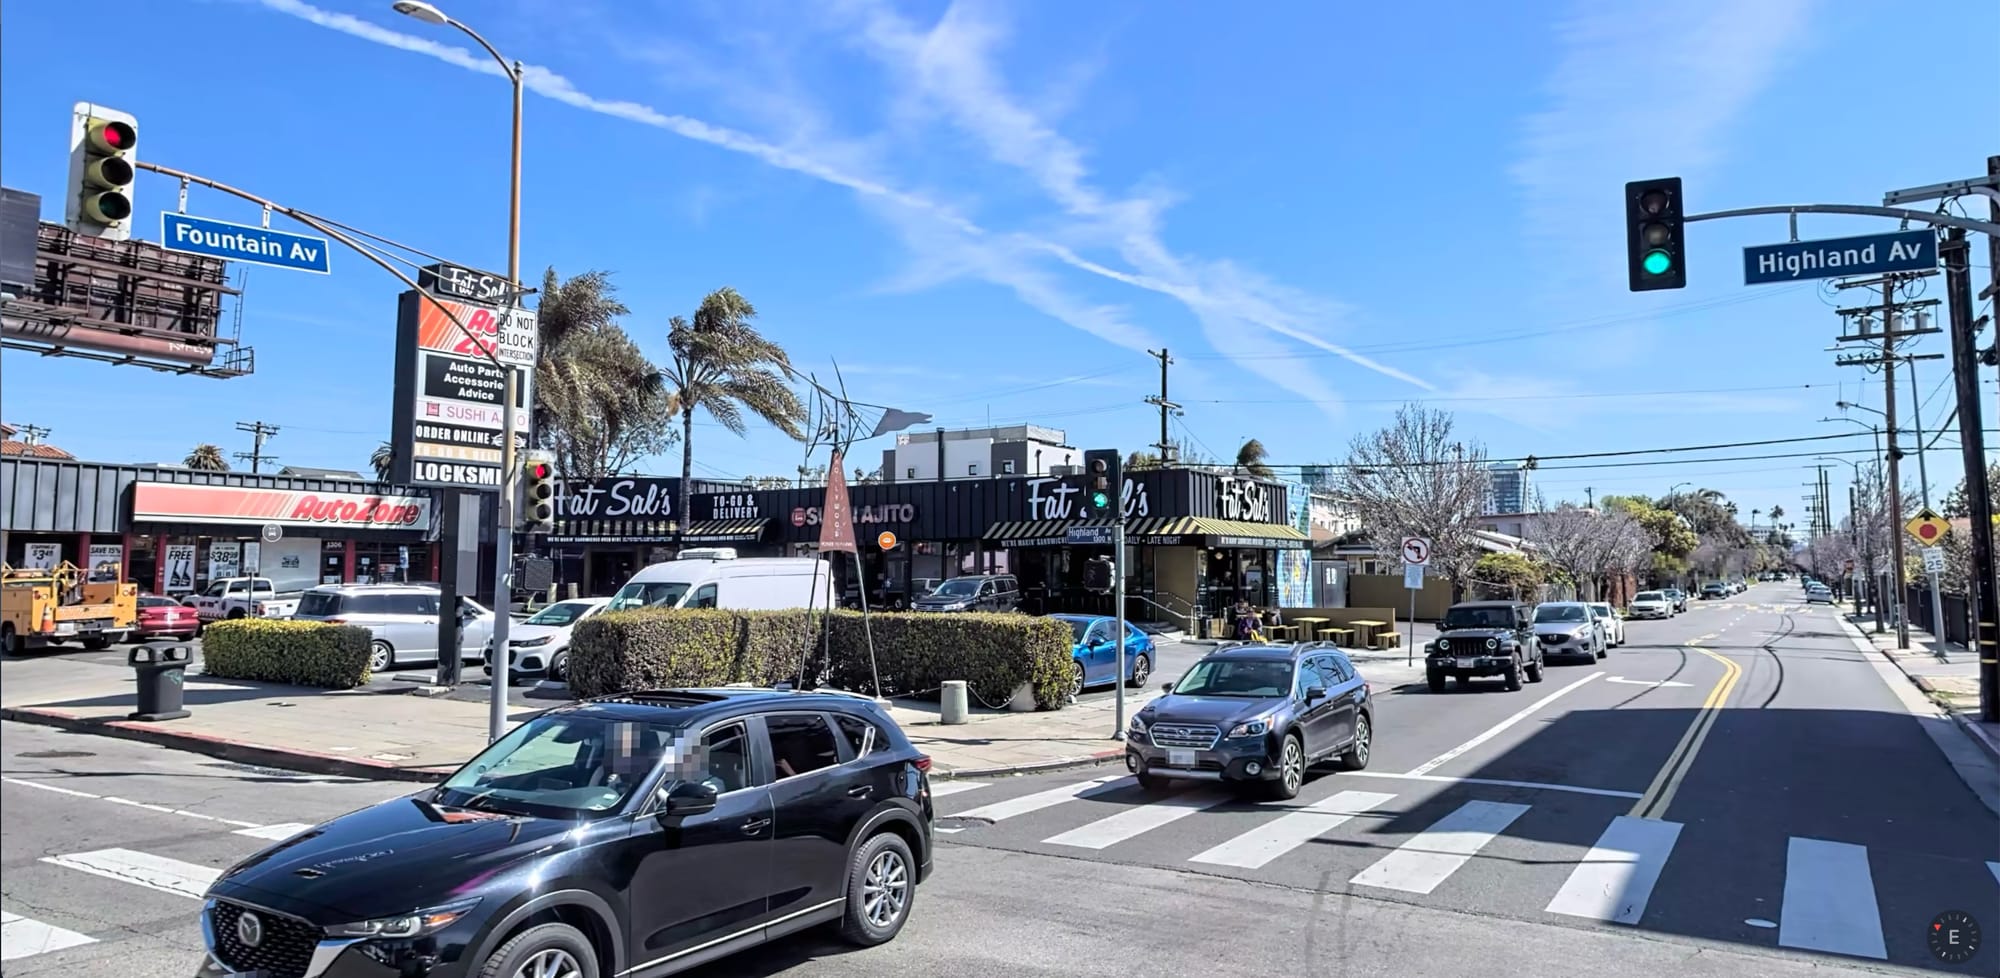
[249,930]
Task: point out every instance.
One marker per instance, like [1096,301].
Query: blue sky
[991,210]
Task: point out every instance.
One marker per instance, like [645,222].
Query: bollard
[952,705]
[161,672]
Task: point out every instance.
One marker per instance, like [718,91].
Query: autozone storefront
[173,530]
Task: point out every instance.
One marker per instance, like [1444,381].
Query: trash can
[160,670]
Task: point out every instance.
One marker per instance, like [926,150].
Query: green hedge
[915,653]
[302,653]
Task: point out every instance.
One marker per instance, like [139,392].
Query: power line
[1538,459]
[1527,397]
[259,431]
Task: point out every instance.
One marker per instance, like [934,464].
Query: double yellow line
[1653,804]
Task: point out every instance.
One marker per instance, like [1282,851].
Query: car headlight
[1492,643]
[1441,645]
[1137,726]
[419,924]
[533,642]
[1254,728]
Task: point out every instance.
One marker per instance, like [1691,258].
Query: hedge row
[302,653]
[915,653]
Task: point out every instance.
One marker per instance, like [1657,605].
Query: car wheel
[1356,757]
[1142,670]
[1535,670]
[96,644]
[881,884]
[1436,681]
[1150,783]
[1514,675]
[543,951]
[1291,769]
[559,667]
[10,642]
[1075,679]
[381,658]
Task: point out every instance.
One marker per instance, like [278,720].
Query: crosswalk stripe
[1830,900]
[1133,822]
[1257,847]
[1995,867]
[1617,875]
[1429,858]
[1013,807]
[21,937]
[144,869]
[940,789]
[276,833]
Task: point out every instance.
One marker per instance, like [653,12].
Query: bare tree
[1572,540]
[1413,478]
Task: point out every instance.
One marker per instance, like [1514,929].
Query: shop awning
[726,531]
[1204,531]
[1047,533]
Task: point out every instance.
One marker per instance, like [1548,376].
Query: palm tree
[722,365]
[1250,459]
[207,458]
[1777,512]
[598,401]
[384,461]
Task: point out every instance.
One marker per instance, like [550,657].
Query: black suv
[1254,714]
[980,592]
[635,835]
[1484,638]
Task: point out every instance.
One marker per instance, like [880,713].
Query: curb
[1972,730]
[1978,734]
[241,752]
[1038,767]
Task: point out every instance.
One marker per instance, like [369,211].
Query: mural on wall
[1295,566]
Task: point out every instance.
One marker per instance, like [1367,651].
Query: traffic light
[1097,575]
[1100,492]
[103,159]
[1655,248]
[538,496]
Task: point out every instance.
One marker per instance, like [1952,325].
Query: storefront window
[391,563]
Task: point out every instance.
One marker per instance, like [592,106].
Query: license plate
[1466,663]
[1180,758]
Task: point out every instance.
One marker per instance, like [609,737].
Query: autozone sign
[162,503]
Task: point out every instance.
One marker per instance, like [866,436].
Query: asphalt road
[1814,826]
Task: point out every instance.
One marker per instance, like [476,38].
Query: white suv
[403,618]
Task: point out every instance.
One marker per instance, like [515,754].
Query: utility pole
[1167,408]
[32,434]
[1924,483]
[258,431]
[1895,500]
[1984,586]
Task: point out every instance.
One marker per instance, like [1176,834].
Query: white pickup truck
[243,597]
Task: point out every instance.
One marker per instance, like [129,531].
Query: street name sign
[243,242]
[1416,550]
[1868,254]
[1089,535]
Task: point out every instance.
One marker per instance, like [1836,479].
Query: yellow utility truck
[42,607]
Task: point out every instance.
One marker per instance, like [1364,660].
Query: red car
[165,618]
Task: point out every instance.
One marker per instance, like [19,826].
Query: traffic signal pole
[503,536]
[1118,598]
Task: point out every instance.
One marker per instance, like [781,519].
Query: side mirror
[1166,687]
[687,798]
[1315,693]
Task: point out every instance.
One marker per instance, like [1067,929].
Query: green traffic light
[1657,262]
[1099,500]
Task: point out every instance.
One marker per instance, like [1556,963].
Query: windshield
[959,587]
[1603,610]
[1479,618]
[1249,678]
[657,594]
[1649,596]
[155,601]
[1560,613]
[560,766]
[560,613]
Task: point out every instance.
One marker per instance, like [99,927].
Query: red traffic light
[538,470]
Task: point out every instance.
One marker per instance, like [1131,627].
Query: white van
[715,577]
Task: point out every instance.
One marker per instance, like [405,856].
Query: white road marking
[1498,728]
[144,869]
[276,833]
[1644,682]
[1133,822]
[49,787]
[1830,900]
[1535,785]
[940,789]
[1428,859]
[23,938]
[1617,876]
[113,799]
[1257,847]
[1026,804]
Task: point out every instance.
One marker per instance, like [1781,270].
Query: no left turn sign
[1416,550]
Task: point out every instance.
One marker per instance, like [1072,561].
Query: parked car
[978,592]
[1650,604]
[1569,629]
[1096,652]
[163,617]
[646,833]
[1484,638]
[1817,593]
[1254,715]
[243,597]
[403,620]
[714,577]
[1614,626]
[1714,591]
[540,644]
[1677,600]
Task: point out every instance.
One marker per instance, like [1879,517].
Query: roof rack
[669,697]
[784,686]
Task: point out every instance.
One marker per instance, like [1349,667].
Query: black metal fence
[1957,613]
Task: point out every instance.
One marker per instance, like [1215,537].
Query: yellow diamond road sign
[1927,527]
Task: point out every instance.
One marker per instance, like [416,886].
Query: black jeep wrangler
[1485,638]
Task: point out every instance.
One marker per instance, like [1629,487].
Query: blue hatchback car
[1096,652]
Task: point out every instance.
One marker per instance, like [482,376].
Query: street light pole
[503,535]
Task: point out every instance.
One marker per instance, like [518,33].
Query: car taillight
[924,763]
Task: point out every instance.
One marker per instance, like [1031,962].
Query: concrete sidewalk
[1952,681]
[376,733]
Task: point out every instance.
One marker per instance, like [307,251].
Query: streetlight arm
[512,71]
